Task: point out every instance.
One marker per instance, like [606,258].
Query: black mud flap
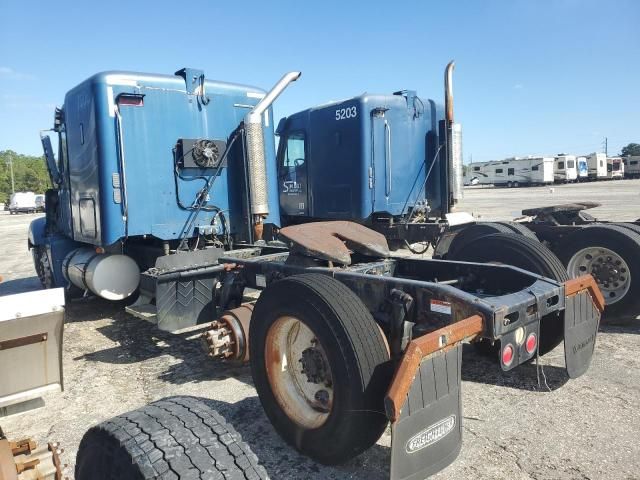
[581,319]
[427,437]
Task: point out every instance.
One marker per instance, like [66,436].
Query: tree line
[29,173]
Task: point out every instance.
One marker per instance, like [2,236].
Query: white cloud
[11,74]
[518,86]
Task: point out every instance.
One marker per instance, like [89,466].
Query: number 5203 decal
[348,112]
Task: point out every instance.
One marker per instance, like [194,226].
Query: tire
[358,363]
[629,226]
[509,185]
[175,438]
[516,184]
[528,254]
[519,229]
[42,265]
[624,242]
[472,232]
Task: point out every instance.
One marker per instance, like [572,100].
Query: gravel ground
[584,429]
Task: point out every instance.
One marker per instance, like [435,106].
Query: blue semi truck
[168,187]
[394,163]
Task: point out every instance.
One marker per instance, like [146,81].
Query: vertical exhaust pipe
[256,157]
[454,142]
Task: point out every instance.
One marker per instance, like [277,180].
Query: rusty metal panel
[334,241]
[31,326]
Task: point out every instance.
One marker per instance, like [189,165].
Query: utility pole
[606,146]
[13,182]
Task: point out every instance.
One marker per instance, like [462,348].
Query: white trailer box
[513,172]
[615,168]
[22,202]
[597,163]
[565,169]
[632,166]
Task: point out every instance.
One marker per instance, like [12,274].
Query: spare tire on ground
[528,254]
[174,438]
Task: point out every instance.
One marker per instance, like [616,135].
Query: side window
[535,168]
[570,164]
[634,162]
[498,170]
[560,165]
[294,155]
[601,162]
[511,171]
[477,169]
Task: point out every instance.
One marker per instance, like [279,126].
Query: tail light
[531,344]
[507,355]
[130,99]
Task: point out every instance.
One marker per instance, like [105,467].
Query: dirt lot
[584,429]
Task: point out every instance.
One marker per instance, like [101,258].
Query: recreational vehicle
[615,168]
[565,169]
[631,166]
[583,168]
[512,172]
[597,163]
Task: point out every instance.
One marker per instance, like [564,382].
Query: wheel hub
[608,268]
[299,373]
[315,367]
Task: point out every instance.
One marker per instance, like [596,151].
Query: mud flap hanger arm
[418,349]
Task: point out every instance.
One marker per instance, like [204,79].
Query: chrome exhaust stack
[454,140]
[256,158]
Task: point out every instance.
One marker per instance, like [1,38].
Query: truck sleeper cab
[357,159]
[150,165]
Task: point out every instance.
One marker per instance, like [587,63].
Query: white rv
[597,163]
[565,169]
[512,172]
[22,202]
[615,168]
[631,166]
[583,168]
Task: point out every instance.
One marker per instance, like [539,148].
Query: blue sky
[532,76]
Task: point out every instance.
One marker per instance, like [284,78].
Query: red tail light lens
[532,343]
[130,99]
[507,355]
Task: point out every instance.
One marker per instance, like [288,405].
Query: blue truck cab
[361,159]
[149,163]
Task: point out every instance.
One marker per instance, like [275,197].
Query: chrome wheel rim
[608,268]
[298,372]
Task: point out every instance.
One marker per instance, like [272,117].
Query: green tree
[29,172]
[633,149]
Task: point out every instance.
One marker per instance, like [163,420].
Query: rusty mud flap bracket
[424,402]
[583,308]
